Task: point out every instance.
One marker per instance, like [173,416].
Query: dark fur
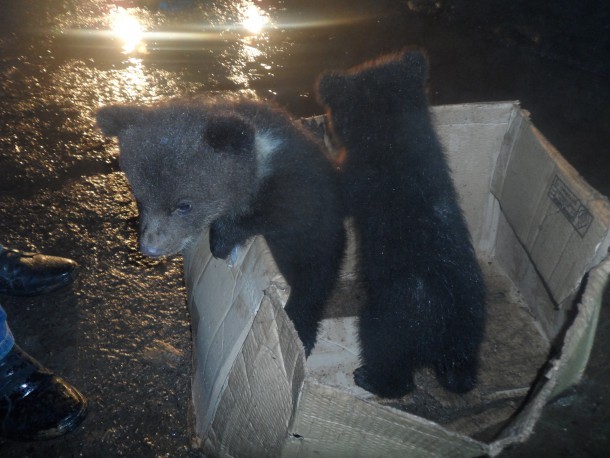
[426,297]
[243,168]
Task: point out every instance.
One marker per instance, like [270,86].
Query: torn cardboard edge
[252,396]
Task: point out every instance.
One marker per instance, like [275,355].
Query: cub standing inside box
[425,292]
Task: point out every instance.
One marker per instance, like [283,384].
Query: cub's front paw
[220,246]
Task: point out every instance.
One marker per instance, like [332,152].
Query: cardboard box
[538,229]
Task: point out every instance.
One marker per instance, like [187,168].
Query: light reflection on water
[94,52]
[225,45]
[128,29]
[239,29]
[254,19]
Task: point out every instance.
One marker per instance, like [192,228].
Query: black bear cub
[241,168]
[425,291]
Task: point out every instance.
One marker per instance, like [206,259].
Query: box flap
[331,422]
[254,412]
[562,222]
[223,301]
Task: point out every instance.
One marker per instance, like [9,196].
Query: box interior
[533,256]
[537,227]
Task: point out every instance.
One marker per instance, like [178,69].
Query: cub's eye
[183,208]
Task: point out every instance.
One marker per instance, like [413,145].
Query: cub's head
[373,93]
[187,164]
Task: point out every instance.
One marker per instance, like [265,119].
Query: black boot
[29,274]
[34,403]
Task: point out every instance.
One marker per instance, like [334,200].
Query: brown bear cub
[241,168]
[425,291]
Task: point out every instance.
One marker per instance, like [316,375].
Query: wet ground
[121,332]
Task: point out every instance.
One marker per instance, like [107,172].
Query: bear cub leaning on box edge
[425,291]
[241,168]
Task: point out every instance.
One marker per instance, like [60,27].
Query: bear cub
[241,168]
[425,291]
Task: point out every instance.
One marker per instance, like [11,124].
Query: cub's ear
[113,119]
[329,87]
[416,63]
[230,133]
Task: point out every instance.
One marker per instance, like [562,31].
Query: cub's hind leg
[387,352]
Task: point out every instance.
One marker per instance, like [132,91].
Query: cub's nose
[150,250]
